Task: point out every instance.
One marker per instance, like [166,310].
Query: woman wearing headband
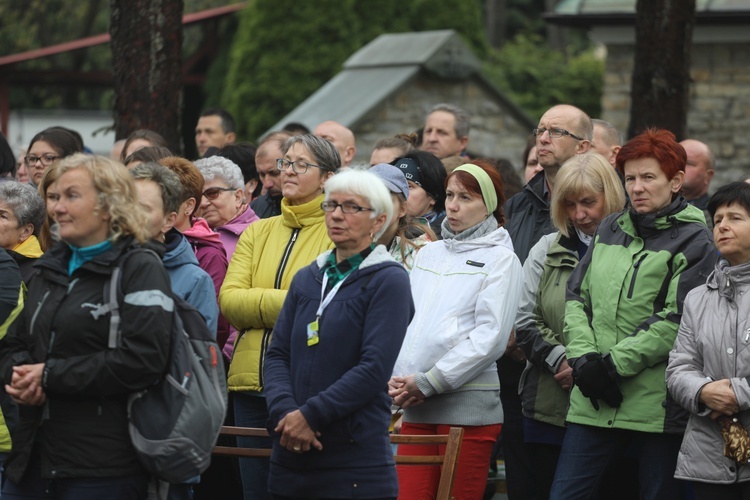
[466,290]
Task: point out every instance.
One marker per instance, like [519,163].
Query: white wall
[25,124]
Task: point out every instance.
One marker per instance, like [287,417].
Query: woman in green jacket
[586,191]
[268,255]
[624,303]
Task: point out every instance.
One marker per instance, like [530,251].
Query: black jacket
[82,426]
[527,216]
[266,206]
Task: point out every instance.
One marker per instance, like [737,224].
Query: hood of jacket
[178,251]
[239,223]
[378,256]
[498,237]
[679,211]
[200,235]
[298,216]
[726,279]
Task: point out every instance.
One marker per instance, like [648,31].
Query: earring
[372,236]
[187,212]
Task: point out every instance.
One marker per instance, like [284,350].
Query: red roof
[83,43]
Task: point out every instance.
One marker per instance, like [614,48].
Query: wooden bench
[447,461]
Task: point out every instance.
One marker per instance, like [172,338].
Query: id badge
[312,333]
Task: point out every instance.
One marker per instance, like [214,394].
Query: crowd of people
[580,316]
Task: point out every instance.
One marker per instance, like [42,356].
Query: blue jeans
[588,451]
[251,411]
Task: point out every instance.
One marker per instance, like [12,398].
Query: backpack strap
[112,291]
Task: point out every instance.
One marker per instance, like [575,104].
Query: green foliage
[285,50]
[536,77]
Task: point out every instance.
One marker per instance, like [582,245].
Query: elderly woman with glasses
[47,146]
[333,350]
[268,255]
[22,214]
[223,203]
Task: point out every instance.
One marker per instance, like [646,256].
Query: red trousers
[417,482]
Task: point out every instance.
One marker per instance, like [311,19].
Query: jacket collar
[307,214]
[726,279]
[378,256]
[241,221]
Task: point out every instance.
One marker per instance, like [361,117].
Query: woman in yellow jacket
[268,255]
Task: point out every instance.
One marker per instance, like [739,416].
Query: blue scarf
[80,256]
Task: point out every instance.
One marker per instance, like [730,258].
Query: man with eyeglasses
[268,204]
[563,131]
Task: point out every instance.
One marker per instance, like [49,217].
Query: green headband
[485,184]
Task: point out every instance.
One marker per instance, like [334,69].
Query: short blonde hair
[115,191]
[585,173]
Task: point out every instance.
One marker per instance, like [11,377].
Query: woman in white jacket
[709,366]
[466,290]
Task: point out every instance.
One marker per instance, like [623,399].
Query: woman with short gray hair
[223,204]
[22,213]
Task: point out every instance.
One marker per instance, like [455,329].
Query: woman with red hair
[624,303]
[466,289]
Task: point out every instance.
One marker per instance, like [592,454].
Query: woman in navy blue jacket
[333,351]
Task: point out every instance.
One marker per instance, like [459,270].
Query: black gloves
[596,377]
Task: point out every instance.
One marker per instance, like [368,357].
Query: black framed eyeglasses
[214,192]
[555,133]
[298,166]
[45,159]
[346,207]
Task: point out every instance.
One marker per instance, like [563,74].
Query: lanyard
[326,299]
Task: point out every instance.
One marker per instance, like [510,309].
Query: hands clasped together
[296,434]
[26,385]
[596,377]
[405,392]
[720,398]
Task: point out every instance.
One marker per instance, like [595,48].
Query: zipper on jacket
[285,258]
[635,273]
[264,342]
[277,285]
[38,309]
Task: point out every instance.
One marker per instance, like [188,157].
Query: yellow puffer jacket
[268,255]
[5,442]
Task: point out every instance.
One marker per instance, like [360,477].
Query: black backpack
[175,423]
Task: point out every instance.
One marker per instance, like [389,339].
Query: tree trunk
[661,73]
[147,68]
[495,22]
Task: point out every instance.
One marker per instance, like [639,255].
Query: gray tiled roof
[380,68]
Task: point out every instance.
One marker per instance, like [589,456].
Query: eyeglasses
[45,159]
[298,166]
[214,192]
[554,133]
[346,207]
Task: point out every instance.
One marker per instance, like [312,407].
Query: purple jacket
[212,258]
[230,232]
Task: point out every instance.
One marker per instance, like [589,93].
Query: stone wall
[495,130]
[719,101]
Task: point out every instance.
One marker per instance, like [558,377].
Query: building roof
[383,66]
[591,12]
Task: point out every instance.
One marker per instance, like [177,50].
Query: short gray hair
[367,185]
[323,152]
[463,120]
[169,183]
[25,202]
[614,136]
[224,168]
